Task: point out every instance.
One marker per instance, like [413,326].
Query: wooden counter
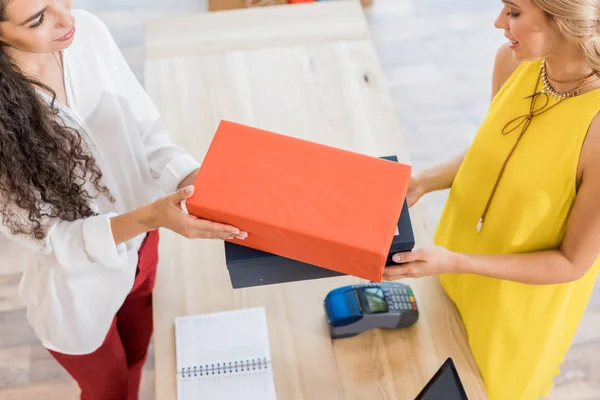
[310,71]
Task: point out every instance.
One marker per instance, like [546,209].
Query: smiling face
[37,26]
[531,33]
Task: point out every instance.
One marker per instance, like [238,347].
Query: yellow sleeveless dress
[518,333]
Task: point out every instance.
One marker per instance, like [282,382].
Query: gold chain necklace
[547,87]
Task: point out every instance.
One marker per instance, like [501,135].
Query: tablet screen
[445,385]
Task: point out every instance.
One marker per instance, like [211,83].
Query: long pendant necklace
[525,121]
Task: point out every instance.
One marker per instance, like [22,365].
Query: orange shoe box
[313,203]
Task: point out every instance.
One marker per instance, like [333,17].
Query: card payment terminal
[354,309]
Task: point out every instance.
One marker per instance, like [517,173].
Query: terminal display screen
[372,300]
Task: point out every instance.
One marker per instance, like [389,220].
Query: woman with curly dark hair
[87,176]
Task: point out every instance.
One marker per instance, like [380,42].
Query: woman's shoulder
[91,32]
[504,66]
[512,77]
[88,21]
[589,160]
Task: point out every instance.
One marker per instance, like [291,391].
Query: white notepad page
[224,355]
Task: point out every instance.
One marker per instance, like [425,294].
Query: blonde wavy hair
[578,22]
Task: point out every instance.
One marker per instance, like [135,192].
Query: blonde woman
[519,239]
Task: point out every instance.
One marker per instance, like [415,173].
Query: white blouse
[75,282]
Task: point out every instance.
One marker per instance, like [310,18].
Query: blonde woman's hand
[416,190]
[423,262]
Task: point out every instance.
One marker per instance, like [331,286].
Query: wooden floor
[437,56]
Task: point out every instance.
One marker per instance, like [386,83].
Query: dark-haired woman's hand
[166,212]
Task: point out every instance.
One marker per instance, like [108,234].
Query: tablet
[444,385]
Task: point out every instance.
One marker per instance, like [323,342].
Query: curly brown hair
[44,163]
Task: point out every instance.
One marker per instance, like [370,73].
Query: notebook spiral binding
[220,369]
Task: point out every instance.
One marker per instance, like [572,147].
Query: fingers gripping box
[249,267]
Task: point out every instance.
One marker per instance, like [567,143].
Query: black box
[250,267]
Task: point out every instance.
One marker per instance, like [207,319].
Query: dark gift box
[250,267]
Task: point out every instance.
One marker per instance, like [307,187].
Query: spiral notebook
[224,355]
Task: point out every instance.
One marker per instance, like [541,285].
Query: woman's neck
[31,64]
[566,72]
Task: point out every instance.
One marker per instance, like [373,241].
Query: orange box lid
[302,200]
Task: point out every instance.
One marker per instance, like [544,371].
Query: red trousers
[114,370]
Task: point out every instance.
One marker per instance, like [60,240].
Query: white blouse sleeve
[75,245]
[169,163]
